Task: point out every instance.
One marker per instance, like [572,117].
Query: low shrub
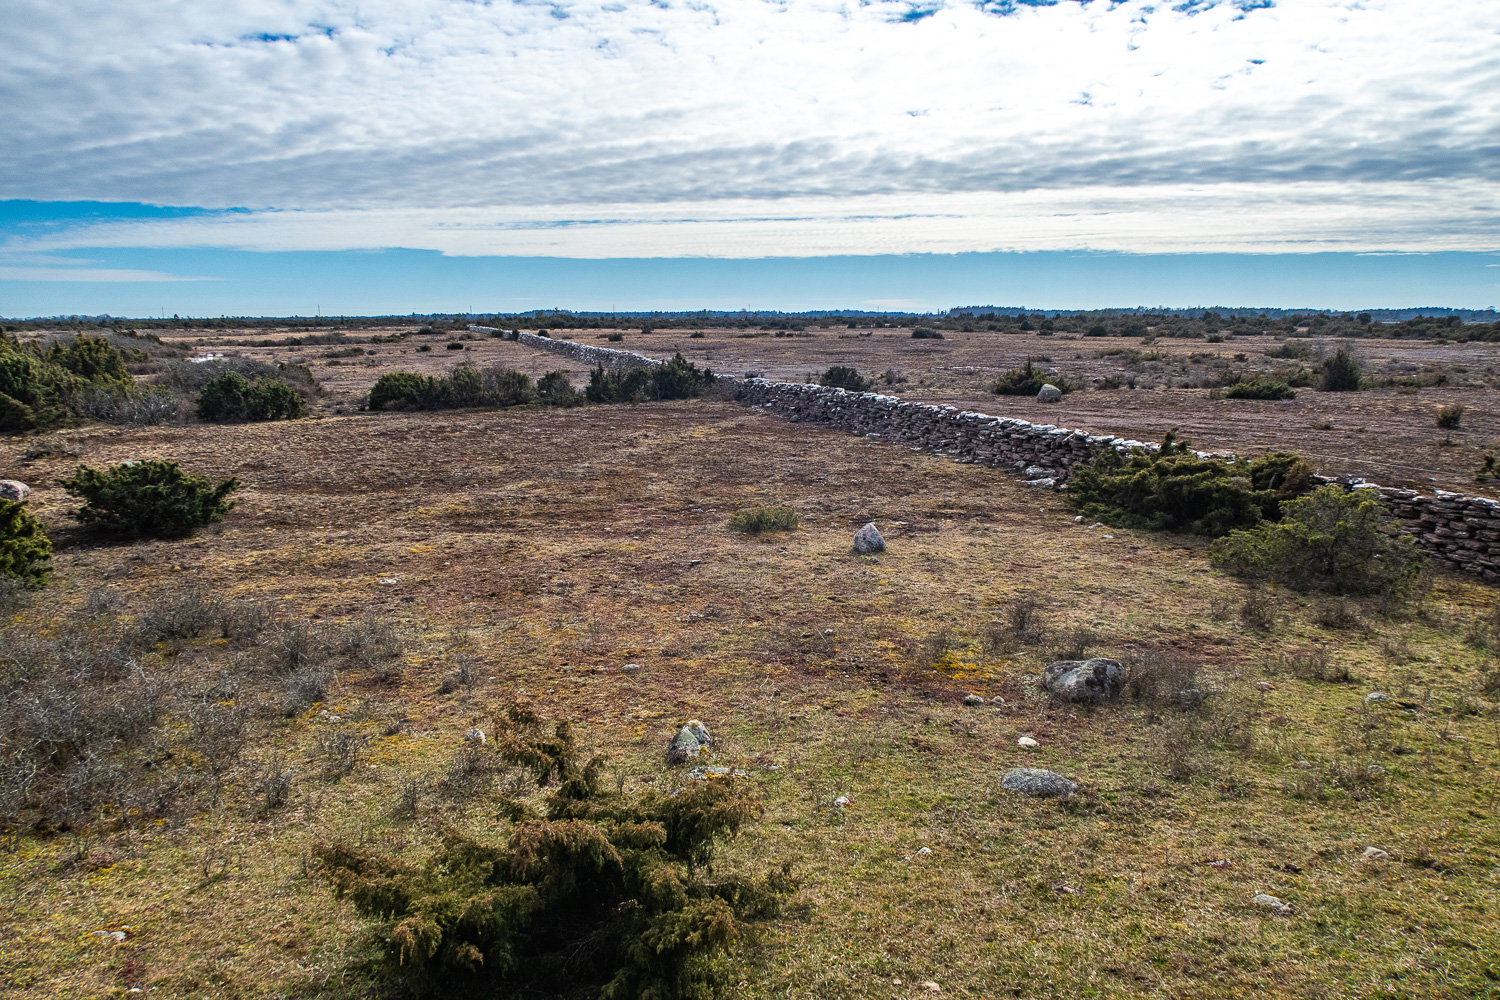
[1341,372]
[231,398]
[149,498]
[24,548]
[1331,540]
[1028,381]
[597,892]
[926,333]
[1173,489]
[556,389]
[757,520]
[464,386]
[677,378]
[137,405]
[1260,388]
[1450,416]
[845,377]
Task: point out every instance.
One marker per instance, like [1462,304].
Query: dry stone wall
[586,353]
[1460,532]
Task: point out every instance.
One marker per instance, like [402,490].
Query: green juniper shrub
[36,386]
[230,397]
[926,333]
[1487,471]
[588,892]
[149,498]
[464,386]
[555,389]
[397,390]
[677,378]
[1341,372]
[1450,416]
[616,385]
[1173,489]
[756,520]
[1330,540]
[1260,387]
[845,377]
[1028,381]
[24,548]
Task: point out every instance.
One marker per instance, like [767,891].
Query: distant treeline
[1443,324]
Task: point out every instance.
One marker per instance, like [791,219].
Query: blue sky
[278,156]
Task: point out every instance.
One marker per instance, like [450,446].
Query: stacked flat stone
[1460,532]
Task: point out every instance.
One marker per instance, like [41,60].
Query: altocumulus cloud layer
[756,127]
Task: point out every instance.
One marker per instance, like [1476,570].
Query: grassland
[537,553]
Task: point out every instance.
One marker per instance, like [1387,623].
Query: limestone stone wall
[586,353]
[1460,532]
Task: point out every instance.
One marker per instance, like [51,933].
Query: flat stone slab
[1037,783]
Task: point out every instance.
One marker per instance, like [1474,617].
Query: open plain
[445,564]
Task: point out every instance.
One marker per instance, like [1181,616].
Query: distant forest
[1209,324]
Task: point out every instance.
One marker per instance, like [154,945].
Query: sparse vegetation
[759,520]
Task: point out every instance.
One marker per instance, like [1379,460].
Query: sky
[279,157]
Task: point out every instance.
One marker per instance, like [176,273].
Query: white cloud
[88,274]
[743,127]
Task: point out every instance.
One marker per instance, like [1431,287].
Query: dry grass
[540,552]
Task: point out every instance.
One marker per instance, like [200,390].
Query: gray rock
[973,699]
[630,668]
[868,539]
[1270,902]
[475,735]
[690,741]
[1037,472]
[715,771]
[1049,394]
[1375,854]
[1096,679]
[14,489]
[1375,697]
[1045,484]
[1037,783]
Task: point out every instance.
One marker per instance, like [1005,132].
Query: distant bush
[1260,388]
[230,398]
[1173,489]
[24,548]
[149,498]
[1330,540]
[926,333]
[596,893]
[614,337]
[1341,372]
[556,389]
[677,378]
[1293,350]
[762,519]
[1028,381]
[137,405]
[464,386]
[1450,416]
[845,377]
